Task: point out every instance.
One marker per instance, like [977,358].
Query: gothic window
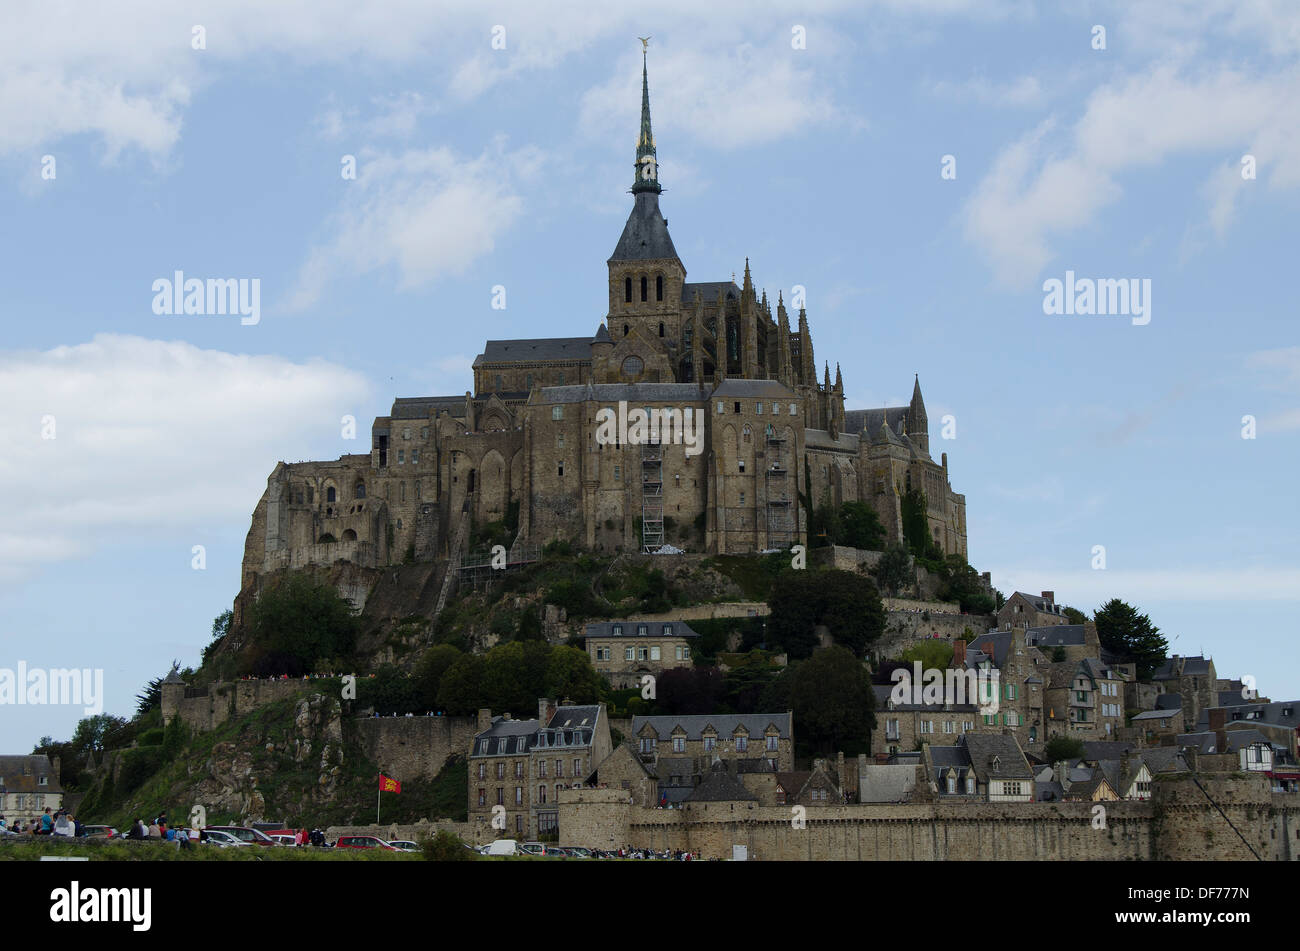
[311,495]
[661,325]
[746,432]
[644,283]
[659,293]
[632,367]
[627,290]
[329,494]
[402,491]
[349,535]
[359,491]
[625,328]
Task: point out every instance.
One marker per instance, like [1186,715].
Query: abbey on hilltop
[523,440]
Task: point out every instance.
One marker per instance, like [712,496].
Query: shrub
[444,846]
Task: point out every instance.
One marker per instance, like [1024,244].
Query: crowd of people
[57,823]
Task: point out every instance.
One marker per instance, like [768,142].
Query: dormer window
[668,630]
[618,630]
[641,630]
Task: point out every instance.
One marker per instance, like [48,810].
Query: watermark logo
[1099,816]
[1248,426]
[498,557]
[948,168]
[1098,37]
[932,686]
[798,557]
[214,297]
[349,686]
[499,817]
[53,687]
[498,297]
[1103,297]
[798,817]
[647,687]
[798,37]
[1098,557]
[666,426]
[75,904]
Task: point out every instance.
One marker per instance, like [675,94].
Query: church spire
[647,165]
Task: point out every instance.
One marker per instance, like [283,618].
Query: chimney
[545,710]
[1049,596]
[1061,773]
[839,767]
[959,654]
[1218,716]
[484,720]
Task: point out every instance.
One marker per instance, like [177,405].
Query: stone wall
[206,708]
[409,748]
[1173,826]
[408,832]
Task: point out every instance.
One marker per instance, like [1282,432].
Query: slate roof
[724,723]
[708,291]
[1197,666]
[1201,742]
[869,420]
[1011,761]
[820,439]
[499,738]
[629,628]
[422,407]
[34,765]
[1169,701]
[733,387]
[720,786]
[645,236]
[1058,635]
[1155,714]
[793,782]
[1096,750]
[540,348]
[632,392]
[1085,789]
[889,783]
[993,645]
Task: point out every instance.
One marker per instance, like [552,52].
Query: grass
[129,851]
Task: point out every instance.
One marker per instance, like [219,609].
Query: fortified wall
[206,708]
[1175,825]
[413,747]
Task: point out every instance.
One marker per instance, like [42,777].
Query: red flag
[389,785]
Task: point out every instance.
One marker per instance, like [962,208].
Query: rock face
[229,779]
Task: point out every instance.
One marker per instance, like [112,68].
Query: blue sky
[481,166]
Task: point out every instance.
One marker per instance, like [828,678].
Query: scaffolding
[780,510]
[652,497]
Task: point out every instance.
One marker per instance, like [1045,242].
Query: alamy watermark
[57,686]
[1113,297]
[932,686]
[214,297]
[650,425]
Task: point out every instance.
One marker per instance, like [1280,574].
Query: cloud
[391,117]
[152,437]
[1038,189]
[426,213]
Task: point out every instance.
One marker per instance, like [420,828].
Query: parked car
[502,847]
[220,838]
[404,845]
[283,838]
[578,853]
[246,835]
[363,842]
[99,832]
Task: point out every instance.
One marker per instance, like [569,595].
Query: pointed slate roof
[720,786]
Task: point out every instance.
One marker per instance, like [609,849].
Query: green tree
[514,676]
[916,524]
[830,694]
[1063,747]
[1074,614]
[894,570]
[931,653]
[848,604]
[390,690]
[570,676]
[445,846]
[530,625]
[460,690]
[862,528]
[433,663]
[294,623]
[1121,629]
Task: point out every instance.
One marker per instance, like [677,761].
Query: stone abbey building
[526,435]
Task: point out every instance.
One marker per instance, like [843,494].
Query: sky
[923,168]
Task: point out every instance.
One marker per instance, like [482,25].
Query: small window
[736,407]
[557,412]
[643,288]
[741,463]
[722,407]
[627,295]
[559,469]
[625,328]
[791,409]
[401,459]
[559,440]
[758,409]
[618,474]
[659,295]
[661,328]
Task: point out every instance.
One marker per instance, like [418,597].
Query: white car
[404,845]
[502,847]
[222,839]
